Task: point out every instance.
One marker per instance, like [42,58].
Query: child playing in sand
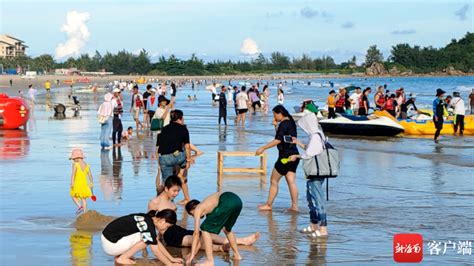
[129,234]
[221,211]
[80,190]
[127,135]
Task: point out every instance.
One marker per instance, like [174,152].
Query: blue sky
[217,29]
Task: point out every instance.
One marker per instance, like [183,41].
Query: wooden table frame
[262,170]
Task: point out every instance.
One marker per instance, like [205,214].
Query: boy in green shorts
[221,211]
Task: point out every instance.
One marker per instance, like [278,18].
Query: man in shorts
[136,107]
[221,211]
[242,101]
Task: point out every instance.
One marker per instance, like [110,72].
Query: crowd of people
[175,152]
[132,233]
[358,103]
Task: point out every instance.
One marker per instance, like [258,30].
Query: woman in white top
[163,110]
[106,110]
[242,100]
[281,97]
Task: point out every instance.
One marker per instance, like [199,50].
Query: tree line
[458,54]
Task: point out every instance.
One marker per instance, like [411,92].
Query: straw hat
[76,153]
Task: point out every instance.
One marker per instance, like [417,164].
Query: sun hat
[116,90]
[440,92]
[76,153]
[162,98]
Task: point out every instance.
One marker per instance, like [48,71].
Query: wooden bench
[262,170]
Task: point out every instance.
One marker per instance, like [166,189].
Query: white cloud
[462,12]
[249,47]
[77,33]
[404,32]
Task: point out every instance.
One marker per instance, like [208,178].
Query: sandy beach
[386,186]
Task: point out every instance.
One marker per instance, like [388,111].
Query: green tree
[279,61]
[373,55]
[141,63]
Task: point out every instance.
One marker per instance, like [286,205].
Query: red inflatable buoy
[14,112]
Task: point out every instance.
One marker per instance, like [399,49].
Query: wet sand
[387,186]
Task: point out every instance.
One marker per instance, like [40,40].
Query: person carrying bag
[320,161]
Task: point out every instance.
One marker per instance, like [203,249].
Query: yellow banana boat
[425,126]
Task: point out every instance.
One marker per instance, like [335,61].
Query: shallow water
[387,185]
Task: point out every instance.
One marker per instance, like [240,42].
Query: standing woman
[265,95]
[364,104]
[286,131]
[106,111]
[117,122]
[152,103]
[281,97]
[146,94]
[438,111]
[127,235]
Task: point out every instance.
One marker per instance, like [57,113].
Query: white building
[11,47]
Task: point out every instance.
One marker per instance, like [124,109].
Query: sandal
[79,210]
[314,235]
[307,230]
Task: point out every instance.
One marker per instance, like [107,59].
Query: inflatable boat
[345,124]
[422,124]
[14,112]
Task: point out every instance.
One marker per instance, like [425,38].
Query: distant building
[11,47]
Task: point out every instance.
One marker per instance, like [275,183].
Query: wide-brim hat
[76,153]
[162,98]
[440,92]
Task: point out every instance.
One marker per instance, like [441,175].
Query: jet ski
[422,124]
[345,124]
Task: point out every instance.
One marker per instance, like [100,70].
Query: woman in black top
[127,235]
[286,132]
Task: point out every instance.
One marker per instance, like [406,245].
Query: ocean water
[386,186]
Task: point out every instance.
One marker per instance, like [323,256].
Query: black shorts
[174,236]
[438,124]
[254,104]
[283,169]
[243,111]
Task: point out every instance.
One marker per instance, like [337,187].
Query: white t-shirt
[31,94]
[159,115]
[242,100]
[458,105]
[355,98]
[213,89]
[135,100]
[281,98]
